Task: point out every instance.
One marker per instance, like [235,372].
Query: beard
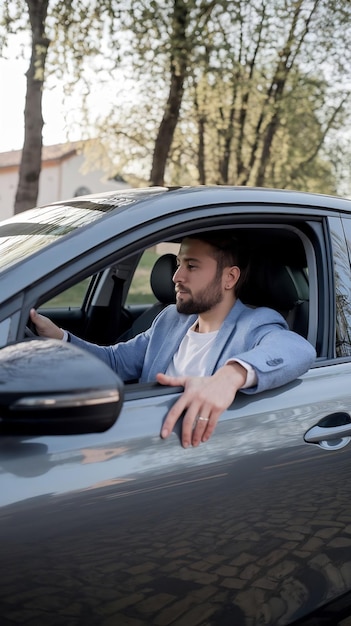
[204,301]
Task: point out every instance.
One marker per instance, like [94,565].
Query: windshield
[26,233]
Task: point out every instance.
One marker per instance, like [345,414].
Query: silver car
[103,522]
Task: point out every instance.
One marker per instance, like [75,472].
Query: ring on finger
[203,419]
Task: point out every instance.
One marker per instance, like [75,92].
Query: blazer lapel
[166,350]
[225,333]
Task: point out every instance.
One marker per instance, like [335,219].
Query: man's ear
[231,277]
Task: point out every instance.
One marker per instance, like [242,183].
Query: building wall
[59,180]
[73,179]
[8,188]
[49,184]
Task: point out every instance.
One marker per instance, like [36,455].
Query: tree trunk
[179,62]
[284,67]
[201,151]
[30,167]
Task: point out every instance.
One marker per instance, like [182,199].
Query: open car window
[123,299]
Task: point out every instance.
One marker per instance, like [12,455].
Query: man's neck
[212,320]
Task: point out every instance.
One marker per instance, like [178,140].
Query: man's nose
[177,275]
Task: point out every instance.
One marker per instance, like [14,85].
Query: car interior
[278,278]
[281,284]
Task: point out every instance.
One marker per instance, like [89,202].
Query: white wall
[57,182]
[72,179]
[49,185]
[8,188]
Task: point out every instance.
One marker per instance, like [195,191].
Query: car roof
[29,232]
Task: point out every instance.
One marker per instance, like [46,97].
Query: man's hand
[202,402]
[44,326]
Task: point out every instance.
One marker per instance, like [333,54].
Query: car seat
[162,285]
[280,287]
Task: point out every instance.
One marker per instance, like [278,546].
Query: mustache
[183,289]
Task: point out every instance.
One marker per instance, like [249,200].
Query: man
[210,343]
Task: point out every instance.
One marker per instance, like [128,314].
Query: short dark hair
[228,250]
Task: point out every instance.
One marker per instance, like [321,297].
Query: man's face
[197,283]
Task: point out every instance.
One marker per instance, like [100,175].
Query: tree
[258,70]
[179,59]
[165,37]
[73,32]
[30,166]
[260,90]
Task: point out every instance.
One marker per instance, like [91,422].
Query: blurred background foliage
[239,92]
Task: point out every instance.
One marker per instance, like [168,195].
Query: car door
[252,527]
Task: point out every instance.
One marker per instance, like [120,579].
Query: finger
[190,426]
[172,417]
[37,319]
[200,426]
[33,315]
[211,425]
[173,381]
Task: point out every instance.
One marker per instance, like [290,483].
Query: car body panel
[284,528]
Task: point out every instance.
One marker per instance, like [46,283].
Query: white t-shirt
[191,357]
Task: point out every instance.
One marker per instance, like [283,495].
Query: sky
[56,106]
[12,101]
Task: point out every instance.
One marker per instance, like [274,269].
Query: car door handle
[332,432]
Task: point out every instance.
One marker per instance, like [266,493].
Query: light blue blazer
[260,337]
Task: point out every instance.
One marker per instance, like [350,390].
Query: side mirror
[48,387]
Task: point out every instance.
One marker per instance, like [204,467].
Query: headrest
[161,278]
[273,285]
